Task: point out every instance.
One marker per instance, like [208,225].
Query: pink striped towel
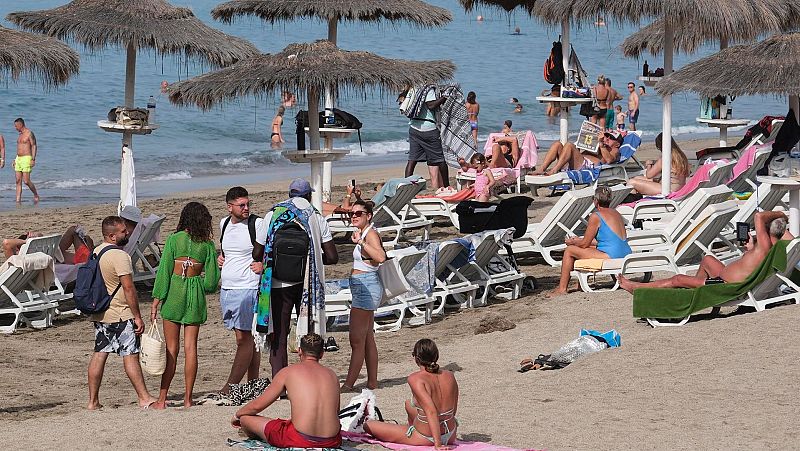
[459,445]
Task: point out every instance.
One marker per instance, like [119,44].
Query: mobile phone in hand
[353,183]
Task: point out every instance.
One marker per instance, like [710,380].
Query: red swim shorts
[81,255]
[281,433]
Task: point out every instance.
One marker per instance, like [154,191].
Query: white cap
[131,213]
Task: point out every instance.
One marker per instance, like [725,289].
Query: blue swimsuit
[609,242]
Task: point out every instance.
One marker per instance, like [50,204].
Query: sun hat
[299,187]
[131,213]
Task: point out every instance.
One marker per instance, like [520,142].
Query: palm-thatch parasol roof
[650,39]
[727,19]
[41,57]
[414,11]
[299,67]
[507,5]
[771,66]
[146,24]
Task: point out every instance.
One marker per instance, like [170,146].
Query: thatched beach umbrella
[415,12]
[771,66]
[41,57]
[308,68]
[721,20]
[142,24]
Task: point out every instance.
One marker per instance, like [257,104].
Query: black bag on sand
[474,216]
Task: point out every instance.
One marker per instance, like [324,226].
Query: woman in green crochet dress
[181,285]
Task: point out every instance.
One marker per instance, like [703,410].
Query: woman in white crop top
[366,291]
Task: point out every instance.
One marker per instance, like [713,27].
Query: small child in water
[620,117]
[484,180]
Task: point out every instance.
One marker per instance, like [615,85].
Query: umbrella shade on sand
[40,57]
[727,20]
[142,24]
[308,68]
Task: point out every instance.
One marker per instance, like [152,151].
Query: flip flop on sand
[147,406]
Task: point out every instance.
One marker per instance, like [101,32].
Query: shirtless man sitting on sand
[26,159]
[770,227]
[313,392]
[568,155]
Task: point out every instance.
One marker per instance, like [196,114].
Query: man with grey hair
[770,227]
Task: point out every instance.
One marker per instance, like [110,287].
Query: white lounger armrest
[648,240]
[653,208]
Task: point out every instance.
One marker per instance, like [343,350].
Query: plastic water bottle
[151,110]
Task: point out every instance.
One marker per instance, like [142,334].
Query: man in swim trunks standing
[26,159]
[633,105]
[313,392]
[770,227]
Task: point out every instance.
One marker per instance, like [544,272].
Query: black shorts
[425,146]
[714,280]
[601,113]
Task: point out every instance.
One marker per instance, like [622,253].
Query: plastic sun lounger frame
[448,282]
[395,215]
[766,293]
[146,241]
[745,181]
[418,305]
[435,207]
[478,271]
[679,253]
[48,245]
[18,289]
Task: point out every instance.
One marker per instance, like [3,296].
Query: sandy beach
[715,383]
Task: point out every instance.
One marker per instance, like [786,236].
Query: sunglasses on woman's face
[357,213]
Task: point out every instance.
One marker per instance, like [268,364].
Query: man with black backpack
[117,323]
[242,236]
[290,266]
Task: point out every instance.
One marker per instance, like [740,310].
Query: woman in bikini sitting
[649,184]
[432,408]
[180,284]
[605,238]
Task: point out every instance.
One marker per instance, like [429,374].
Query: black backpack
[91,295]
[553,66]
[251,227]
[290,248]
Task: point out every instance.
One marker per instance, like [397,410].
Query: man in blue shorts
[242,239]
[633,105]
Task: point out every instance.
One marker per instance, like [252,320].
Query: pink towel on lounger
[459,445]
[746,160]
[528,152]
[701,175]
[464,194]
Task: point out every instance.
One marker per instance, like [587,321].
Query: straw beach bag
[154,352]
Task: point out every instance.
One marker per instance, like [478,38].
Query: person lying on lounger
[432,408]
[605,238]
[353,194]
[74,237]
[770,227]
[567,155]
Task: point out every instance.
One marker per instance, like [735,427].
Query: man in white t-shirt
[242,239]
[286,296]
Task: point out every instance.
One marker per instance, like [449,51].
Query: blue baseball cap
[299,187]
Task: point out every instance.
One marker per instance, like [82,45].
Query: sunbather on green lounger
[770,227]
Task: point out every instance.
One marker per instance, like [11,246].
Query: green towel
[682,302]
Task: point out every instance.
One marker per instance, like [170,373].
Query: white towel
[37,261]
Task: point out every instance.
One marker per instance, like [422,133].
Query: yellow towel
[590,264]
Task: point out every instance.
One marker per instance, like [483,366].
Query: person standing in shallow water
[473,109]
[26,159]
[181,285]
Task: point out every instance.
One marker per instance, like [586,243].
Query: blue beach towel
[630,143]
[612,338]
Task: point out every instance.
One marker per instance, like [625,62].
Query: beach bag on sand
[362,407]
[153,356]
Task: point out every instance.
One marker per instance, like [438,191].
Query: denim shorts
[366,291]
[238,308]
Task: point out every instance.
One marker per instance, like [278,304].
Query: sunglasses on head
[357,213]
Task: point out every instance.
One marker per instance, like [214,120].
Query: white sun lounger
[19,295]
[396,215]
[142,269]
[765,198]
[776,288]
[448,282]
[489,269]
[433,207]
[678,250]
[745,181]
[419,305]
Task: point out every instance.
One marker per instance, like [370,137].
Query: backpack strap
[222,234]
[251,227]
[100,254]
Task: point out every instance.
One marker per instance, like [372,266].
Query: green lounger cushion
[666,303]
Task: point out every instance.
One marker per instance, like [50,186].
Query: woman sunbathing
[505,152]
[649,184]
[353,194]
[605,238]
[432,408]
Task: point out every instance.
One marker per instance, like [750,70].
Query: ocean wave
[81,182]
[235,161]
[378,147]
[180,175]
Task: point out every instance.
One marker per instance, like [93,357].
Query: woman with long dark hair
[473,109]
[432,408]
[188,270]
[366,290]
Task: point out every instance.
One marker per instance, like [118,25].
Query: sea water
[80,163]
